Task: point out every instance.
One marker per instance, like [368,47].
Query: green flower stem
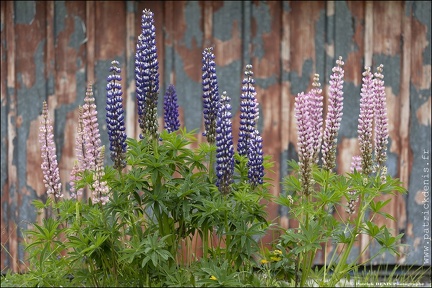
[306,258]
[342,263]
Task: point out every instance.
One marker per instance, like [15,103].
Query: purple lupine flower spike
[224,145]
[49,164]
[147,76]
[334,116]
[248,111]
[99,186]
[365,121]
[255,159]
[171,114]
[381,120]
[210,96]
[305,135]
[316,113]
[115,117]
[92,141]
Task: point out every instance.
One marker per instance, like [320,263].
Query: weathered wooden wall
[50,50]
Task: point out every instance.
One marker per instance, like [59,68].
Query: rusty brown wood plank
[386,47]
[109,21]
[12,181]
[129,88]
[404,127]
[266,68]
[286,98]
[90,53]
[5,259]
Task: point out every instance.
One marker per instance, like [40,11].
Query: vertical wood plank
[404,152]
[12,134]
[286,100]
[131,118]
[266,29]
[90,22]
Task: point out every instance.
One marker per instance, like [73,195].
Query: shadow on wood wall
[51,50]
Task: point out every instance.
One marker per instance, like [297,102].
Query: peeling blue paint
[320,52]
[189,95]
[286,6]
[263,21]
[60,14]
[224,18]
[192,15]
[344,30]
[422,11]
[78,36]
[391,72]
[299,83]
[230,80]
[265,83]
[131,6]
[25,12]
[29,107]
[420,136]
[246,32]
[351,111]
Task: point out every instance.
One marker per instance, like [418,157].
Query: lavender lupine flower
[356,164]
[92,141]
[115,117]
[100,187]
[381,121]
[147,76]
[74,177]
[334,116]
[210,96]
[248,112]
[49,164]
[171,114]
[224,145]
[305,135]
[255,159]
[365,122]
[316,115]
[79,166]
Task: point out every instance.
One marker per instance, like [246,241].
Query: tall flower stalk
[248,111]
[250,141]
[100,187]
[171,114]
[115,117]
[92,141]
[49,164]
[255,159]
[147,76]
[316,116]
[210,95]
[305,136]
[365,122]
[224,146]
[333,117]
[381,120]
[79,165]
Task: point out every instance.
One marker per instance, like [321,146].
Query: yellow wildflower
[276,259]
[264,261]
[277,252]
[213,278]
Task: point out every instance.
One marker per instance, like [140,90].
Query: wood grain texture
[52,49]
